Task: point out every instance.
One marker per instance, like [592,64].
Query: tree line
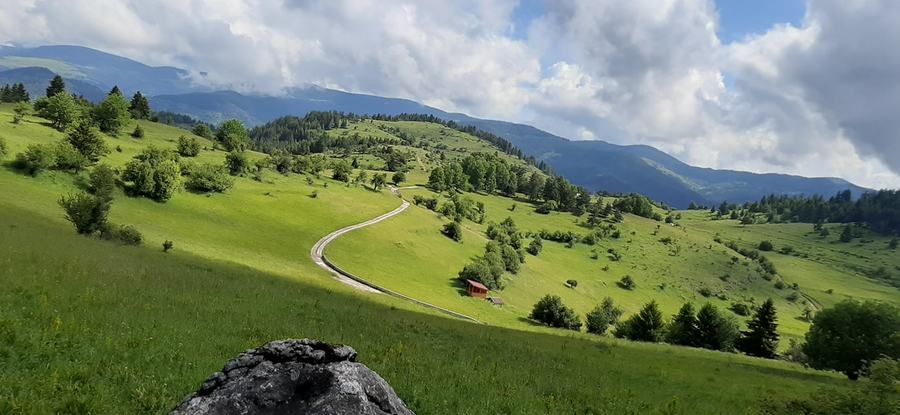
[848,337]
[14,93]
[879,210]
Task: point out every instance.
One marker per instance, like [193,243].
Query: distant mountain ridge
[596,165]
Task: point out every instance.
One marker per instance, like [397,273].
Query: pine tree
[647,325]
[683,328]
[86,140]
[57,86]
[115,90]
[20,93]
[715,331]
[140,107]
[761,337]
[6,93]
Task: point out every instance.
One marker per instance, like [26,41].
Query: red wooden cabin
[476,289]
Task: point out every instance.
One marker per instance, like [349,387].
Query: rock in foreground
[294,377]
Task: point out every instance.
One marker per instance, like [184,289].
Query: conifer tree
[683,328]
[115,90]
[140,106]
[761,337]
[715,331]
[647,325]
[87,141]
[57,86]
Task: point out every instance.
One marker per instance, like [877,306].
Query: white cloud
[819,99]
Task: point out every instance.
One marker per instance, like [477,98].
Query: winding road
[317,253]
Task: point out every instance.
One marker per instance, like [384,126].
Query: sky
[789,86]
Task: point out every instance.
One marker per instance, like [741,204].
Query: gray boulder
[294,377]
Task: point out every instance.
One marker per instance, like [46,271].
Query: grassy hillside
[402,257]
[89,326]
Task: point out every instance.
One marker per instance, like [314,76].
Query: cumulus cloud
[817,99]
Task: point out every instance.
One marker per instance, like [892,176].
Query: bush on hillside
[154,173]
[535,247]
[765,246]
[209,178]
[125,234]
[87,212]
[36,158]
[188,146]
[546,207]
[453,230]
[68,158]
[3,148]
[138,132]
[237,163]
[551,311]
[627,283]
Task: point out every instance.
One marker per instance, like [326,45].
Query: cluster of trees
[14,93]
[111,115]
[846,338]
[503,253]
[89,211]
[879,210]
[501,143]
[81,147]
[309,134]
[707,328]
[490,173]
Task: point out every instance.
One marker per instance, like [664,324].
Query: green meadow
[90,326]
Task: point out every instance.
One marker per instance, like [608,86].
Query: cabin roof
[477,284]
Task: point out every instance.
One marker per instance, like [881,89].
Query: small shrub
[535,247]
[786,250]
[765,246]
[627,283]
[69,158]
[706,292]
[793,296]
[740,309]
[167,245]
[3,148]
[209,178]
[36,158]
[546,207]
[126,234]
[572,283]
[87,212]
[453,230]
[779,284]
[138,132]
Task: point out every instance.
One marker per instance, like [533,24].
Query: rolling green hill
[90,326]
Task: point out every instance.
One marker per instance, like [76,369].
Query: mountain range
[594,164]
